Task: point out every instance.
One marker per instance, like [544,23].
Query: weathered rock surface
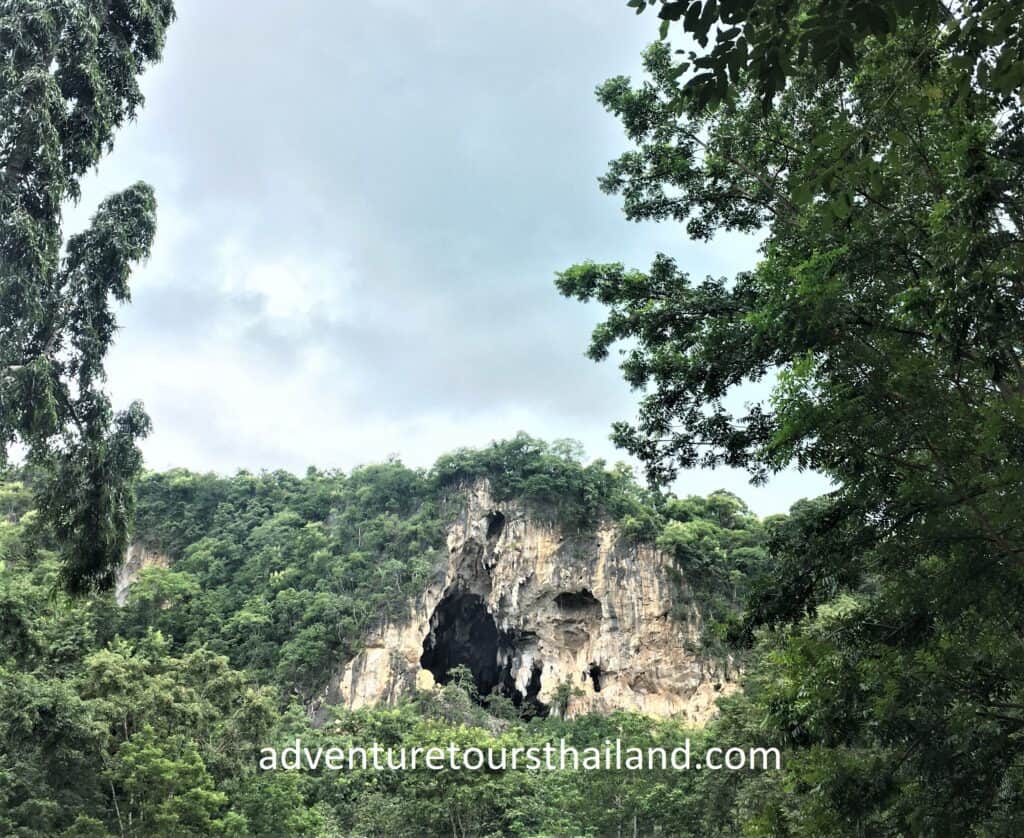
[528,607]
[137,558]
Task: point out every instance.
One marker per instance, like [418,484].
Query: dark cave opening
[464,634]
[533,705]
[595,676]
[577,600]
[495,525]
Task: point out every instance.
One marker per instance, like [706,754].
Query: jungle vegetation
[875,149]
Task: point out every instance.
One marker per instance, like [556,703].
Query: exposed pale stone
[589,609]
[136,559]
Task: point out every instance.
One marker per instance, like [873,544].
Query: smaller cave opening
[495,525]
[533,705]
[595,676]
[577,600]
[528,703]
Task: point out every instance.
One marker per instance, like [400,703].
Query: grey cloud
[362,208]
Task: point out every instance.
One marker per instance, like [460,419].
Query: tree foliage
[281,574]
[886,312]
[760,45]
[552,480]
[68,79]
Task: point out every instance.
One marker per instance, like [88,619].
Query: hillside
[252,590]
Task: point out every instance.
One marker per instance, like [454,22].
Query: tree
[68,79]
[762,44]
[887,306]
[170,790]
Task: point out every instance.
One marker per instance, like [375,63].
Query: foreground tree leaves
[68,80]
[762,43]
[886,311]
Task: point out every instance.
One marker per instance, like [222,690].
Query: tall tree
[68,79]
[887,304]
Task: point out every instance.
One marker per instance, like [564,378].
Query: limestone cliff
[527,607]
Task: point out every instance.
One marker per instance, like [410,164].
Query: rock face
[137,558]
[528,607]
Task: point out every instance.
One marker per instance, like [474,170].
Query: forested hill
[154,712]
[284,575]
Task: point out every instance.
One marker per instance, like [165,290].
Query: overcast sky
[361,210]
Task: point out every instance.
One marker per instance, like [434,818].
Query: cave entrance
[577,601]
[463,633]
[495,525]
